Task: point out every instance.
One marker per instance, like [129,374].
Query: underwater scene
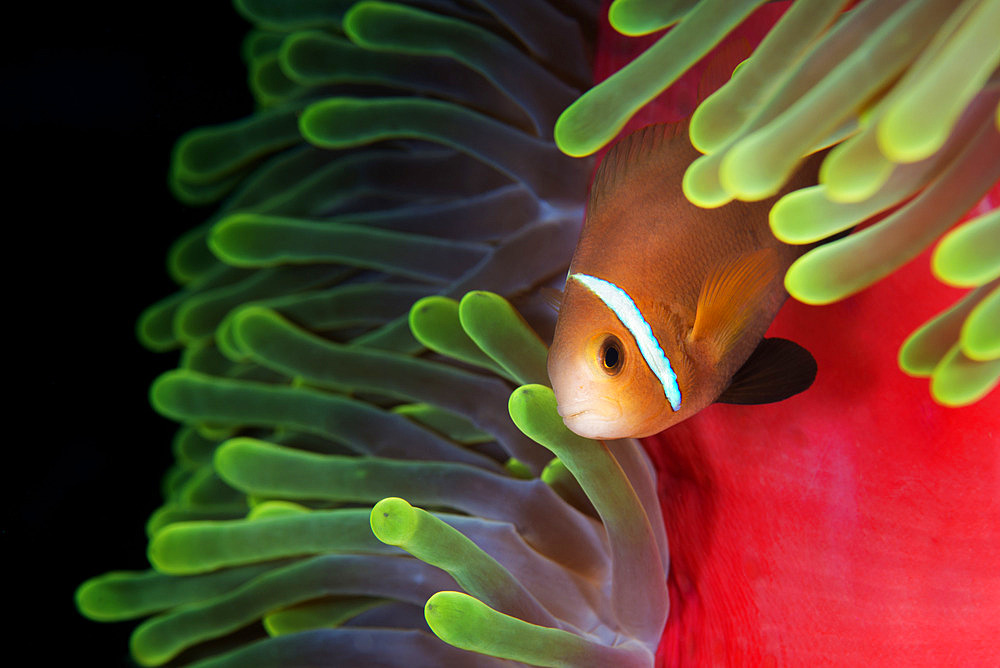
[571,333]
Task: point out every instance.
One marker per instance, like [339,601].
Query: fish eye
[611,355]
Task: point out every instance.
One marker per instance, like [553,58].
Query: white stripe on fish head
[631,317]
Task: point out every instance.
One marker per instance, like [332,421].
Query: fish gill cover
[354,476]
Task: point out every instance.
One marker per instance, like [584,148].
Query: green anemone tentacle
[352,319]
[904,93]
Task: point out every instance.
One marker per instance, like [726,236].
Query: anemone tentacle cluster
[365,469]
[348,475]
[908,96]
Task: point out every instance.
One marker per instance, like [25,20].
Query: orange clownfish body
[666,304]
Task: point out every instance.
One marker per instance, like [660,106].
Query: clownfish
[666,304]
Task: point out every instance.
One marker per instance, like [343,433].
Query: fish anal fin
[729,298]
[776,370]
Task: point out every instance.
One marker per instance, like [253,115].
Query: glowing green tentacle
[396,522]
[466,622]
[600,113]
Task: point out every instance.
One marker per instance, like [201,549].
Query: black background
[95,94]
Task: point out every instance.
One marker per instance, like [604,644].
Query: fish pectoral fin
[777,369]
[729,298]
[551,296]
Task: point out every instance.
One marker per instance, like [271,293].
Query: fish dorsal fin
[630,153]
[729,298]
[777,369]
[551,296]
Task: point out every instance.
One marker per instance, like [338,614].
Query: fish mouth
[566,415]
[601,422]
[603,410]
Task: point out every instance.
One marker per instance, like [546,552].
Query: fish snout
[586,407]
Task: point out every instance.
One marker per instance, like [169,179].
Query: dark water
[95,94]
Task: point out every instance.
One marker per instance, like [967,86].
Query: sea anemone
[365,467]
[400,154]
[546,582]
